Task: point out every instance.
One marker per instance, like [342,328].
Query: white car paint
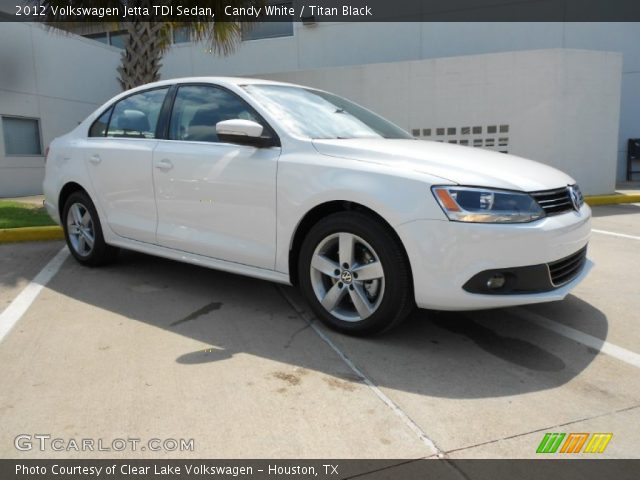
[475,166]
[229,199]
[237,208]
[121,176]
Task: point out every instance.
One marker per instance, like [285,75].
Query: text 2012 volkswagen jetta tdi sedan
[297,185]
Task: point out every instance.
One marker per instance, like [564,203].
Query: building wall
[344,44]
[59,79]
[556,106]
[56,78]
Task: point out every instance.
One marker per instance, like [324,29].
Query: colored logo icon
[574,442]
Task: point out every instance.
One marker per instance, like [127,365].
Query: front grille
[557,200]
[566,269]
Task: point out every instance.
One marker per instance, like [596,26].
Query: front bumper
[531,279]
[445,255]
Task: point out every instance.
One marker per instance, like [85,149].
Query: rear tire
[83,232]
[355,275]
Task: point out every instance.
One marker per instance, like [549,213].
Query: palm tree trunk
[140,61]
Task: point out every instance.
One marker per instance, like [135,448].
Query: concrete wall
[559,106]
[61,78]
[56,78]
[343,44]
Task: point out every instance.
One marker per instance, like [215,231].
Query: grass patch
[18,214]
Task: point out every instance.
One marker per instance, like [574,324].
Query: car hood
[454,163]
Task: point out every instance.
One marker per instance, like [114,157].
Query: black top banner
[314,11]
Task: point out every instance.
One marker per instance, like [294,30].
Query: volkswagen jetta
[299,186]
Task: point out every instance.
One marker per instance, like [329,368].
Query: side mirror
[243,132]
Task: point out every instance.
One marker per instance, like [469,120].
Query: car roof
[224,81]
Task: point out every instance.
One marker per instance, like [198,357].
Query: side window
[137,115]
[198,108]
[99,127]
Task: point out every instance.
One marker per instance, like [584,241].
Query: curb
[612,199]
[30,234]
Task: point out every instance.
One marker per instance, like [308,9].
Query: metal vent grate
[477,136]
[566,269]
[557,200]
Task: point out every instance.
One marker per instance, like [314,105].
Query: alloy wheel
[80,229]
[347,277]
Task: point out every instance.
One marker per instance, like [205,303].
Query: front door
[213,198]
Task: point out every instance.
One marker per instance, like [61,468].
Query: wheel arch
[327,208]
[66,191]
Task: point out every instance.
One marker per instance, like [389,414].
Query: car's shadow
[455,355]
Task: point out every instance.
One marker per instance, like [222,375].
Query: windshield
[315,114]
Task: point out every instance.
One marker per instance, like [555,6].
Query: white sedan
[299,186]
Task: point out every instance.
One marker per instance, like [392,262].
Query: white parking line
[413,426]
[610,349]
[10,316]
[615,234]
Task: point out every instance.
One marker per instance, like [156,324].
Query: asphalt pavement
[148,348]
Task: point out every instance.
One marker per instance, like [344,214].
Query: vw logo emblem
[346,276]
[574,197]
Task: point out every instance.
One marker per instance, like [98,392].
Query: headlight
[485,205]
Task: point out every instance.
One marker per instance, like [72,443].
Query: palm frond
[148,40]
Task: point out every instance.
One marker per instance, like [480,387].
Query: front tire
[83,232]
[355,275]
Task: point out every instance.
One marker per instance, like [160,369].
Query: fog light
[497,280]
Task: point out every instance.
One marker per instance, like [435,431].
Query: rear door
[119,154]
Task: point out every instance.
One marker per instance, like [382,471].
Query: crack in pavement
[544,429]
[440,454]
[295,334]
[399,412]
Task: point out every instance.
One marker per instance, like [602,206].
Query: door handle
[95,159]
[164,165]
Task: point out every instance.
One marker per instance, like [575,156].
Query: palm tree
[148,40]
[143,50]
